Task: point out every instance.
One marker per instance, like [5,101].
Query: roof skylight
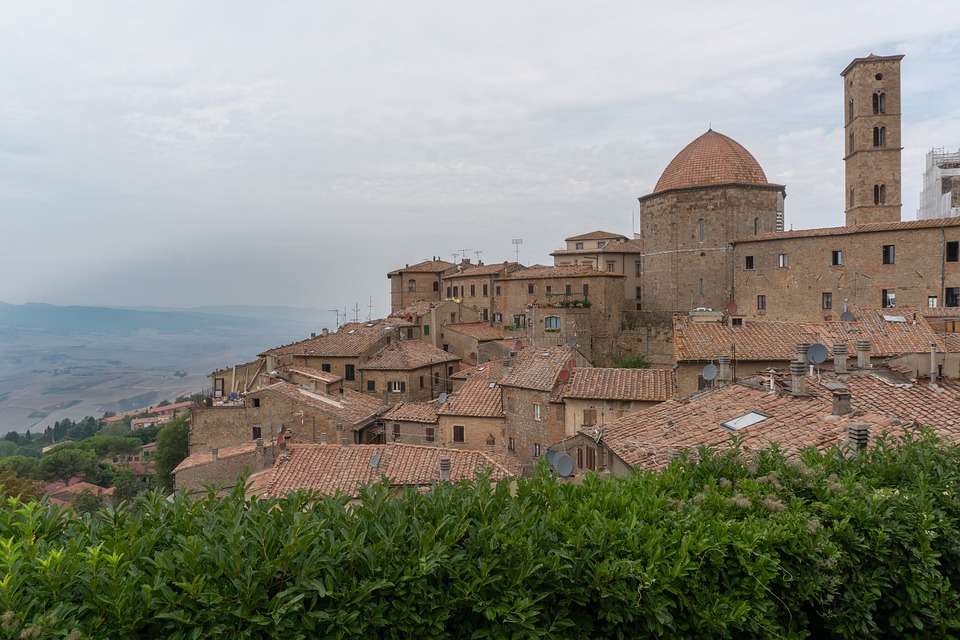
[746,420]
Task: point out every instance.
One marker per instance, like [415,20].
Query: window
[498,317]
[736,322]
[579,245]
[436,379]
[591,458]
[639,291]
[782,261]
[496,290]
[850,111]
[396,431]
[889,254]
[879,194]
[701,230]
[257,432]
[396,386]
[536,411]
[851,142]
[421,382]
[486,290]
[611,266]
[879,136]
[325,367]
[601,244]
[568,289]
[371,385]
[450,370]
[411,286]
[748,263]
[586,290]
[638,272]
[349,372]
[429,436]
[256,403]
[436,286]
[456,292]
[473,291]
[589,417]
[836,258]
[701,286]
[932,302]
[510,406]
[448,292]
[879,102]
[486,315]
[826,300]
[761,302]
[888,298]
[511,445]
[953,251]
[851,197]
[458,433]
[953,296]
[551,323]
[536,449]
[426,329]
[549,289]
[530,288]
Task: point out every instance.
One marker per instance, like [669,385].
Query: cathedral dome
[711,159]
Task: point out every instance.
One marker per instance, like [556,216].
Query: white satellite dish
[710,372]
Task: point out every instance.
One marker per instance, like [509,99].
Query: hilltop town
[711,321]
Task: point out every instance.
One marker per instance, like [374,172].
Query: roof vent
[445,466]
[858,435]
[840,357]
[798,380]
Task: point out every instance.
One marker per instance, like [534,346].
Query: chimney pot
[445,466]
[863,354]
[802,350]
[323,438]
[840,357]
[858,435]
[798,379]
[841,402]
[215,454]
[259,443]
[345,441]
[724,373]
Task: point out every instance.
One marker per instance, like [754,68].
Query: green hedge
[730,546]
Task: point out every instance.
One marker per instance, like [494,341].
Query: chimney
[841,402]
[445,466]
[215,454]
[345,441]
[724,374]
[863,354]
[283,443]
[933,363]
[802,350]
[858,435]
[798,378]
[341,394]
[324,332]
[840,357]
[313,335]
[259,444]
[323,438]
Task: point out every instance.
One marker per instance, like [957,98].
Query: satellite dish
[280,428]
[563,464]
[518,345]
[374,461]
[442,398]
[472,356]
[572,342]
[817,353]
[564,375]
[846,316]
[710,372]
[731,308]
[571,364]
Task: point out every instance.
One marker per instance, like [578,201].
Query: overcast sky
[292,153]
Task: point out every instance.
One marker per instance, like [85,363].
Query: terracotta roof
[617,246]
[951,341]
[479,331]
[351,340]
[482,270]
[621,384]
[329,468]
[425,412]
[428,266]
[539,368]
[759,340]
[492,370]
[875,227]
[231,451]
[480,397]
[869,58]
[407,355]
[352,407]
[81,487]
[419,308]
[568,271]
[596,235]
[257,362]
[711,159]
[313,372]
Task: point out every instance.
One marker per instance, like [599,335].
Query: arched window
[701,230]
[850,112]
[851,197]
[851,142]
[879,194]
[879,102]
[879,136]
[411,286]
[756,226]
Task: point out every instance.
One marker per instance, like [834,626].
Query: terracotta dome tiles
[713,158]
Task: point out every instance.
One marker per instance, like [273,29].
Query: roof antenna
[709,127]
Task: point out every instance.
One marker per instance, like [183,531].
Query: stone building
[610,252]
[940,197]
[595,397]
[473,417]
[712,192]
[408,422]
[472,286]
[408,371]
[421,281]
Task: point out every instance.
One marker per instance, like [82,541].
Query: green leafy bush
[718,545]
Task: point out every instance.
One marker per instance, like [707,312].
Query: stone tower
[871,97]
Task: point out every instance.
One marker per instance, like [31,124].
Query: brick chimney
[798,378]
[323,438]
[863,354]
[215,454]
[840,357]
[858,435]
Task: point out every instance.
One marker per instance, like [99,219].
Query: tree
[125,485]
[66,464]
[173,445]
[12,485]
[22,466]
[87,502]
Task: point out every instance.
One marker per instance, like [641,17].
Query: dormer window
[579,245]
[601,244]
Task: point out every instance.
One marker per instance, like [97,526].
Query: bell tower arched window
[879,136]
[879,194]
[879,102]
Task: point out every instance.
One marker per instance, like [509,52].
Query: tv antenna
[370,309]
[356,312]
[477,254]
[516,245]
[337,311]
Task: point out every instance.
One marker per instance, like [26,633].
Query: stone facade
[479,433]
[421,281]
[871,92]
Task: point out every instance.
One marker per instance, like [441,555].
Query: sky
[292,153]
